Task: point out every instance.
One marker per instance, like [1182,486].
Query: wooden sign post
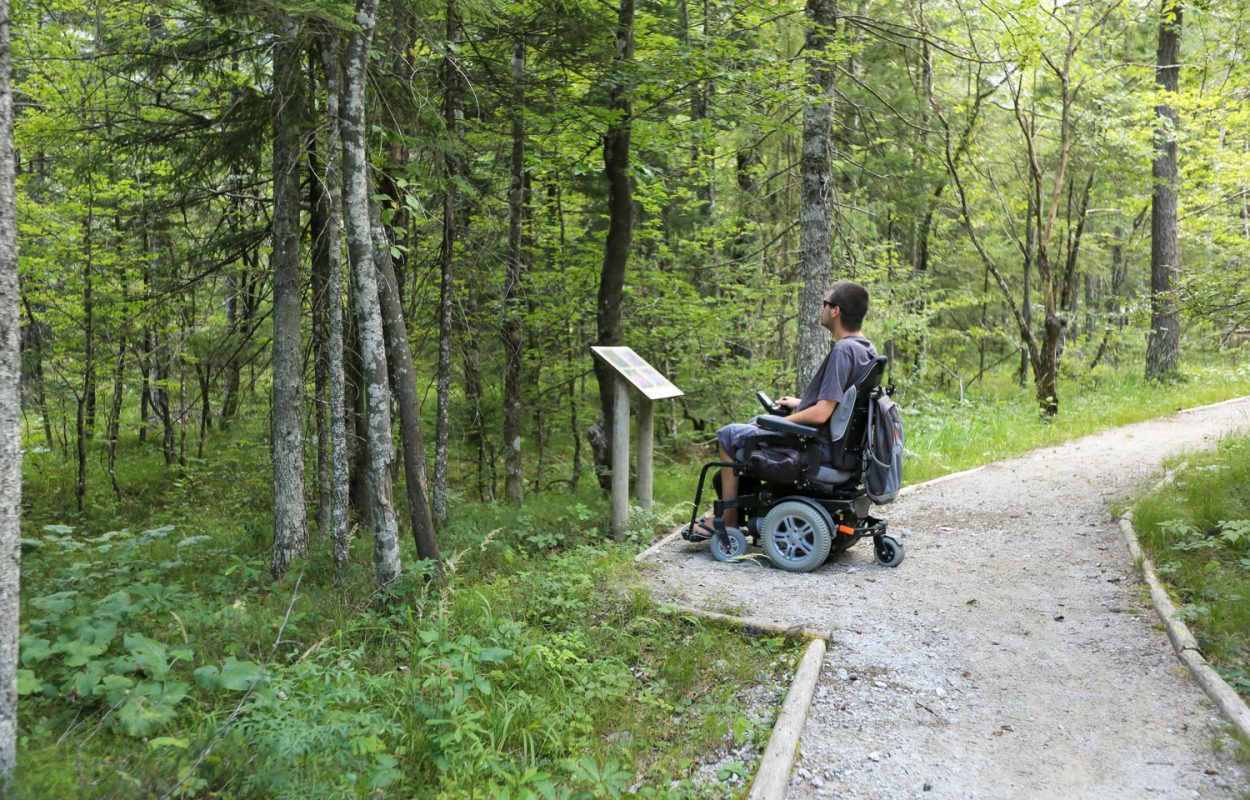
[631,370]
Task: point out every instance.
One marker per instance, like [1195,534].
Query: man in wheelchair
[792,477]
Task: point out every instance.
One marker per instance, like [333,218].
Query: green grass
[539,663]
[1001,420]
[1196,529]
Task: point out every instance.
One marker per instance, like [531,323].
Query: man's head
[844,306]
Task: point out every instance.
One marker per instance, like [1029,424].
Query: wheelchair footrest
[868,526]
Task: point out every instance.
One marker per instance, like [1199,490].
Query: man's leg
[728,490]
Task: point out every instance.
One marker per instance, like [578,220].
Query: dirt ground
[1014,652]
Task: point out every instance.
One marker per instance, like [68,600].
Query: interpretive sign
[641,375]
[632,370]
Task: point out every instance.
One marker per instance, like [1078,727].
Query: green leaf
[168,741]
[494,654]
[27,683]
[78,652]
[148,654]
[145,709]
[61,529]
[59,603]
[234,675]
[33,650]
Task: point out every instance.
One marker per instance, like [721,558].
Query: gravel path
[1013,653]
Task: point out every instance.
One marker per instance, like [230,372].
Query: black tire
[796,536]
[888,550]
[735,549]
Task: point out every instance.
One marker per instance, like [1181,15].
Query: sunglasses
[827,304]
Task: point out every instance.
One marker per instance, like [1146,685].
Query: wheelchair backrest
[848,427]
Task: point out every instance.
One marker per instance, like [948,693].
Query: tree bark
[10,421]
[514,486]
[333,185]
[399,357]
[1163,349]
[365,284]
[616,146]
[816,215]
[290,524]
[452,114]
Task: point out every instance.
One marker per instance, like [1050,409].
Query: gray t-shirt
[849,356]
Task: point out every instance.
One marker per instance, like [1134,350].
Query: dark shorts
[737,435]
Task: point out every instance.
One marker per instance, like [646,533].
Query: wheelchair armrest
[779,425]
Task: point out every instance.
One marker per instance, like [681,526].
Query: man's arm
[815,415]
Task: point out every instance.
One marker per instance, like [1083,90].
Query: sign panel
[641,375]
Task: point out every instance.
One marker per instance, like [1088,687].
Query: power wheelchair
[799,509]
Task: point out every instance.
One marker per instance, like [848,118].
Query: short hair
[852,298]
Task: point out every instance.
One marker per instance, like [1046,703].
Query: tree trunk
[1163,350]
[323,294]
[399,357]
[290,525]
[115,413]
[452,115]
[88,311]
[335,335]
[514,486]
[816,216]
[616,145]
[365,284]
[10,421]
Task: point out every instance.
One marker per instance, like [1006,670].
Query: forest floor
[1013,652]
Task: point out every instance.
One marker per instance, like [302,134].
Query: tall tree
[1163,348]
[327,45]
[514,484]
[816,166]
[616,146]
[290,516]
[10,421]
[399,359]
[452,114]
[365,287]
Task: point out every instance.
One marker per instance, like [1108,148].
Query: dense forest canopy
[193,183]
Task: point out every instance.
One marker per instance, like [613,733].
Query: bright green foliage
[1197,531]
[538,669]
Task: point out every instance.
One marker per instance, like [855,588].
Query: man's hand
[788,402]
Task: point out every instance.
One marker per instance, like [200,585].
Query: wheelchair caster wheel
[889,551]
[735,548]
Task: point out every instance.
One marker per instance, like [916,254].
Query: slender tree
[1163,348]
[452,114]
[365,286]
[290,523]
[10,420]
[327,45]
[399,358]
[616,147]
[816,165]
[514,483]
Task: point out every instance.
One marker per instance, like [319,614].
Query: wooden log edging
[773,775]
[1224,696]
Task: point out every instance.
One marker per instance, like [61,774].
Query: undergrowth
[536,668]
[1196,529]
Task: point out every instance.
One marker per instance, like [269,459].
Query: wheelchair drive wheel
[796,536]
[736,547]
[889,551]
